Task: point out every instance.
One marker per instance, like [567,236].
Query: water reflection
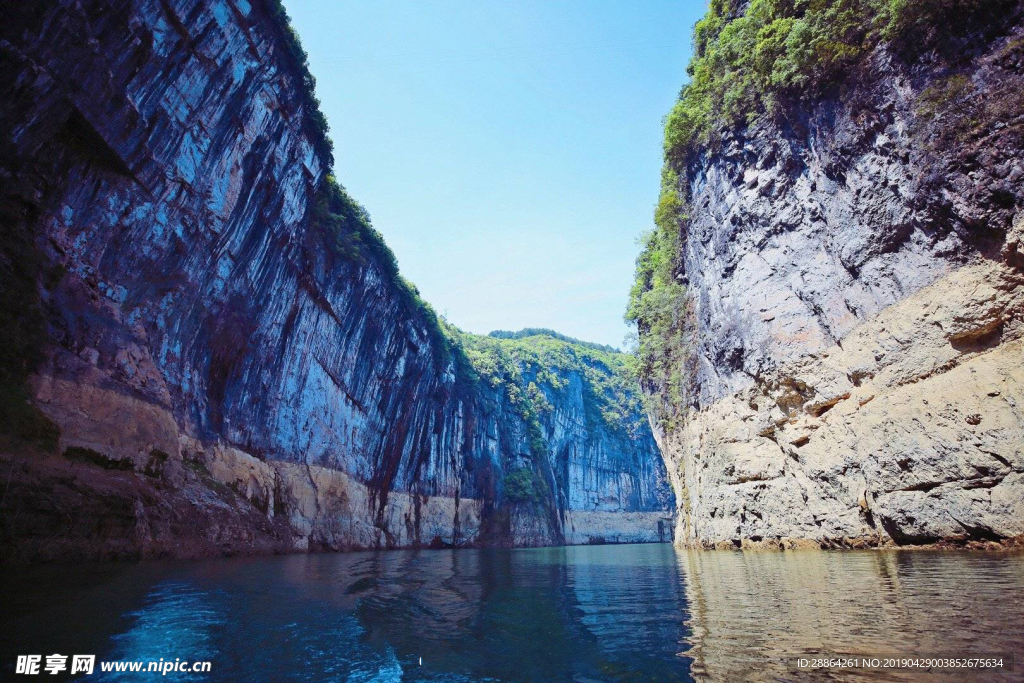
[608,613]
[589,613]
[751,613]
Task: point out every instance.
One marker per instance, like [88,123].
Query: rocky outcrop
[164,164]
[911,431]
[854,274]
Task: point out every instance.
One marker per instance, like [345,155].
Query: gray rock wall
[854,274]
[161,156]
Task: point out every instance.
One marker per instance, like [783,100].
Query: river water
[591,613]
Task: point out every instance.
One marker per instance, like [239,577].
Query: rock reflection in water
[547,614]
[750,613]
[589,613]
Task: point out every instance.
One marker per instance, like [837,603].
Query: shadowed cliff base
[83,505]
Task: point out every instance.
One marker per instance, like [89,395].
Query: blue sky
[508,151]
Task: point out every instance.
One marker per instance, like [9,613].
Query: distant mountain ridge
[545,332]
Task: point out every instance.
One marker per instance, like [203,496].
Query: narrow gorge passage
[218,354]
[777,433]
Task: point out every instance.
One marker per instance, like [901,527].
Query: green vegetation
[349,232]
[524,486]
[311,103]
[92,457]
[341,220]
[534,368]
[743,65]
[345,227]
[545,332]
[659,307]
[942,95]
[197,466]
[530,364]
[748,64]
[777,51]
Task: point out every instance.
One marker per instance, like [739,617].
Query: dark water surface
[595,613]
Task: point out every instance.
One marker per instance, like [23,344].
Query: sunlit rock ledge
[910,432]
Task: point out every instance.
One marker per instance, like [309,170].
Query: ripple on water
[604,613]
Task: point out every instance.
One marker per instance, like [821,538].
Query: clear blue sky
[509,152]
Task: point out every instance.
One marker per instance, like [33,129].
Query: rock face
[161,158]
[857,300]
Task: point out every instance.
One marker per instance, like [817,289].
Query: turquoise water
[593,613]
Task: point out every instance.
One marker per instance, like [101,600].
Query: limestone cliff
[851,268]
[223,342]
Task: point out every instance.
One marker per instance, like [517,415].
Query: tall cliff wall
[224,375]
[851,265]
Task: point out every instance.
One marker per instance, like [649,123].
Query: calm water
[597,613]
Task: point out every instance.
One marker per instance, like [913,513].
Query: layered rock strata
[854,274]
[216,370]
